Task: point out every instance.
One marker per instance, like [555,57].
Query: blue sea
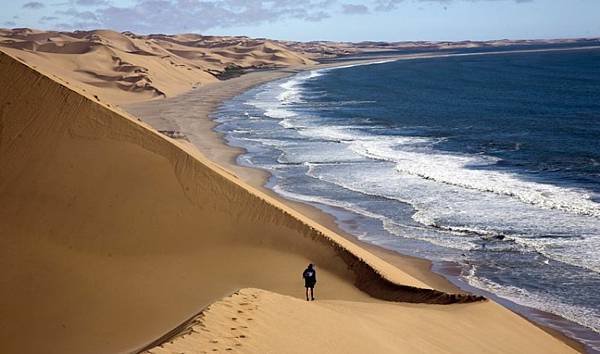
[489,162]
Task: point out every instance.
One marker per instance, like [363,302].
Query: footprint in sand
[234,318]
[240,311]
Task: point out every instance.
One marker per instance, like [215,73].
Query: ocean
[489,162]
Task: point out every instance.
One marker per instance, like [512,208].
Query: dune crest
[125,67]
[258,321]
[113,233]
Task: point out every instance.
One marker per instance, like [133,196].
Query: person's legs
[312,295]
[306,293]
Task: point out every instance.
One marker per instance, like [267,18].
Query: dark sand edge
[163,114]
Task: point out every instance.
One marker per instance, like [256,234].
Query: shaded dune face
[112,234]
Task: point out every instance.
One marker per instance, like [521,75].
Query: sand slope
[258,321]
[124,67]
[112,233]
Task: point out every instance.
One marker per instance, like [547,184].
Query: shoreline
[213,145]
[204,138]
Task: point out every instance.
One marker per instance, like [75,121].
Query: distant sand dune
[165,65]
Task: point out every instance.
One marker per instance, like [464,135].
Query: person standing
[310,279]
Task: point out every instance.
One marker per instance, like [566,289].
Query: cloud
[91,2]
[33,5]
[48,18]
[172,16]
[10,24]
[317,16]
[82,15]
[390,5]
[386,5]
[352,9]
[148,16]
[78,19]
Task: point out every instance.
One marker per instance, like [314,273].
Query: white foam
[582,251]
[383,61]
[291,91]
[470,172]
[454,241]
[279,113]
[328,133]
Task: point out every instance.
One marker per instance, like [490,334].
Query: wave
[473,172]
[417,156]
[449,239]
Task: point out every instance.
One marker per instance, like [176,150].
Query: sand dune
[321,49]
[113,234]
[124,67]
[258,321]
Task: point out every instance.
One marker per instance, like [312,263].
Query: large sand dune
[124,67]
[112,234]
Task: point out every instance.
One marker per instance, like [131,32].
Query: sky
[305,20]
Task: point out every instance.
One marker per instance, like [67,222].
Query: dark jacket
[310,277]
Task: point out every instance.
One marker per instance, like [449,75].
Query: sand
[125,67]
[113,234]
[258,321]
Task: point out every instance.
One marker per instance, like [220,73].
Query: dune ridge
[259,321]
[125,67]
[112,232]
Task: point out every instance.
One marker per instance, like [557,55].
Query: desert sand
[125,67]
[114,234]
[259,321]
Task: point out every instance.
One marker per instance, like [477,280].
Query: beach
[117,234]
[197,126]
